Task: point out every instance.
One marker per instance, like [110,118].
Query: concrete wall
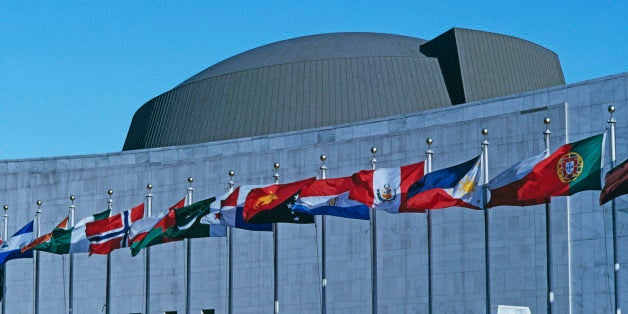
[582,233]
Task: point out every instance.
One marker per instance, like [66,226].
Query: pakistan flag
[188,222]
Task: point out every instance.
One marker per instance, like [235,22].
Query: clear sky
[73,73]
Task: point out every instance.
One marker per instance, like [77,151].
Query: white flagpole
[71,283]
[323,246]
[230,231]
[548,230]
[611,123]
[373,215]
[276,249]
[5,237]
[108,282]
[36,259]
[487,268]
[149,211]
[188,256]
[428,215]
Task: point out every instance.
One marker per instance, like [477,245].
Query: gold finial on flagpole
[373,160]
[276,175]
[231,183]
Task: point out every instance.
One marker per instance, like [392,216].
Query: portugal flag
[571,169]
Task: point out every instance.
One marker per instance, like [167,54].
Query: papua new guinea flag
[273,203]
[572,168]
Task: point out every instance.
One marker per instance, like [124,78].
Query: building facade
[582,231]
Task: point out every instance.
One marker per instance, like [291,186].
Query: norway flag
[330,197]
[110,234]
[386,188]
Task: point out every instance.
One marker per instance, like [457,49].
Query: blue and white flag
[330,197]
[11,248]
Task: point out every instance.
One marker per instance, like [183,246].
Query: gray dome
[330,79]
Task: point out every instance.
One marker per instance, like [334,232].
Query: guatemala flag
[11,248]
[459,185]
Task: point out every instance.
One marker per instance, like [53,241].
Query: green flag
[188,222]
[71,240]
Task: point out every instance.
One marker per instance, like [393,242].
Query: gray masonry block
[581,229]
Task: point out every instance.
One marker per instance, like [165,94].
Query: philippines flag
[12,247]
[330,197]
[386,188]
[109,234]
[459,185]
[228,212]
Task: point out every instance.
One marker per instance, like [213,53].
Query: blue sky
[73,73]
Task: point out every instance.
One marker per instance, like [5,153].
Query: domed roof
[331,79]
[316,47]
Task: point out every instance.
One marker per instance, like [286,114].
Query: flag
[142,227]
[504,188]
[273,203]
[615,183]
[188,222]
[46,237]
[572,168]
[386,188]
[228,212]
[71,240]
[109,234]
[459,185]
[330,197]
[156,234]
[11,248]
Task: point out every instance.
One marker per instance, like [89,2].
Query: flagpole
[149,211]
[548,230]
[230,253]
[188,256]
[611,123]
[486,224]
[108,281]
[36,259]
[71,283]
[5,236]
[373,215]
[275,248]
[428,215]
[323,246]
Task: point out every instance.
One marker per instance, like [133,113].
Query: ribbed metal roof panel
[288,97]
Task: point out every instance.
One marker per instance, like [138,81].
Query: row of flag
[570,169]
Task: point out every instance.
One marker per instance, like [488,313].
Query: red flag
[386,188]
[274,203]
[45,238]
[615,183]
[109,234]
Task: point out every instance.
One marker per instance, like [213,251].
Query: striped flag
[109,234]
